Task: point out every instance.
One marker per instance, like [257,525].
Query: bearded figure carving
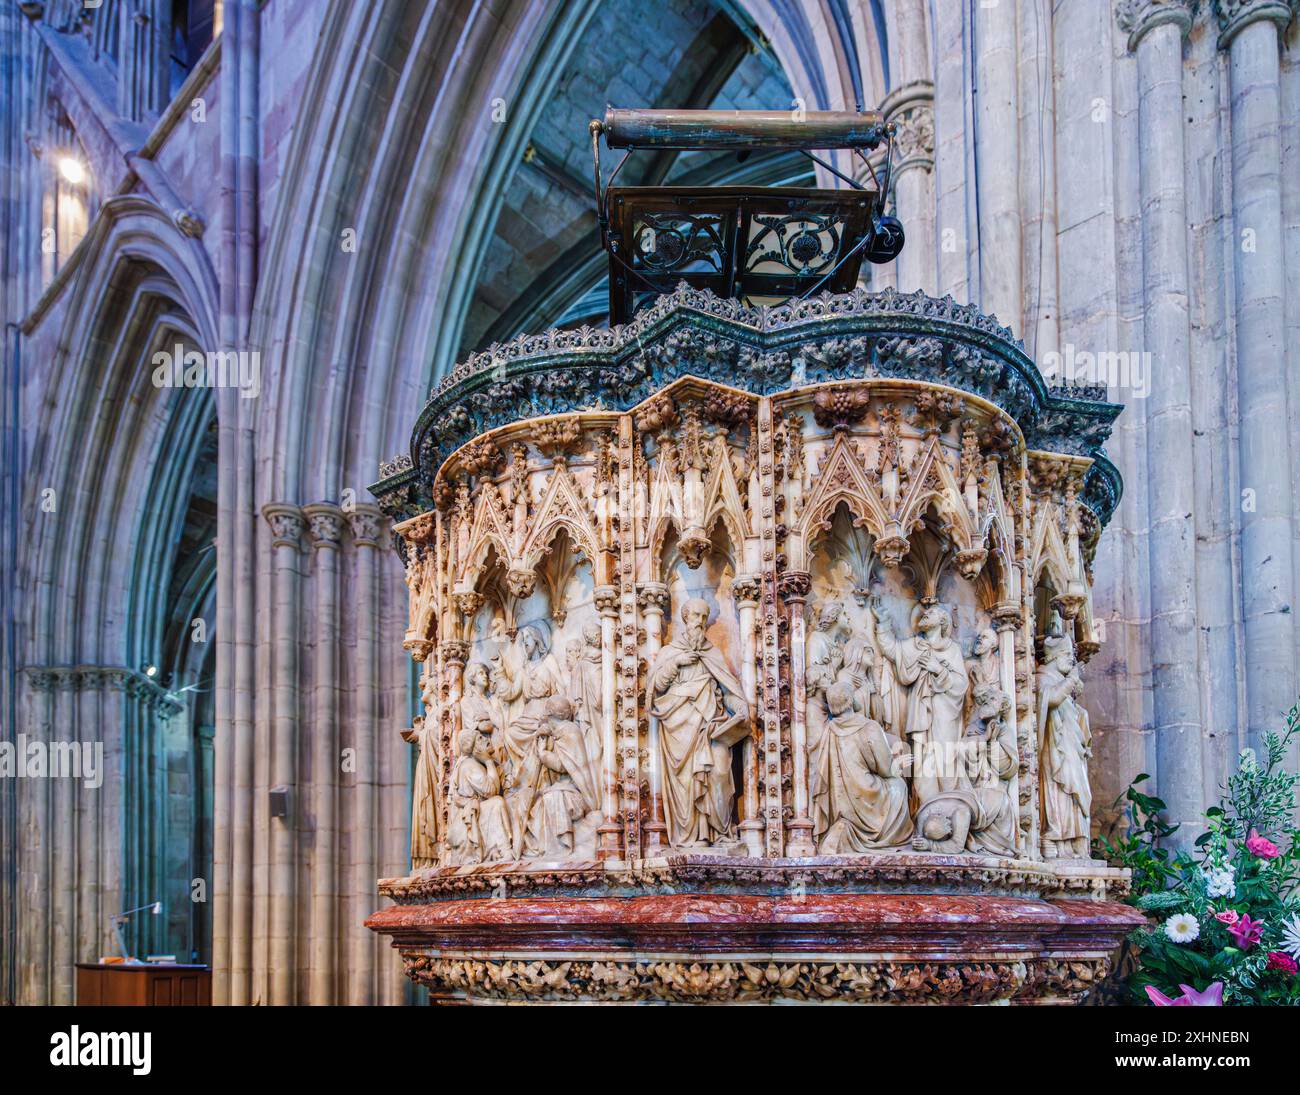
[702,713]
[1064,746]
[931,666]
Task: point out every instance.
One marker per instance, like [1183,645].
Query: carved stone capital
[1236,15]
[653,597]
[971,562]
[892,547]
[606,598]
[1007,614]
[286,523]
[454,652]
[367,523]
[794,586]
[745,589]
[468,603]
[521,581]
[910,109]
[325,523]
[1136,17]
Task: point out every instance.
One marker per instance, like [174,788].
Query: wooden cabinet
[143,985]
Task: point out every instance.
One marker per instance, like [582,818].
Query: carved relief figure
[525,678]
[702,713]
[424,802]
[1064,745]
[556,789]
[860,803]
[930,664]
[584,662]
[478,708]
[977,816]
[478,824]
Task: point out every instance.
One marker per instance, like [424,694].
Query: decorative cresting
[740,624]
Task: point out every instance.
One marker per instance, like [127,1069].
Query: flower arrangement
[1226,914]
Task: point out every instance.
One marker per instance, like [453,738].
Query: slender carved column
[610,830]
[745,590]
[326,525]
[287,527]
[794,586]
[1008,617]
[1250,33]
[770,632]
[629,718]
[653,599]
[367,524]
[1156,33]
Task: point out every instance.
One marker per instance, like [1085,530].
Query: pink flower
[1277,960]
[1212,997]
[1228,916]
[1246,932]
[1261,846]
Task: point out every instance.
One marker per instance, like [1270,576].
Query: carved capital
[418,530]
[606,598]
[971,562]
[468,603]
[367,524]
[910,110]
[454,652]
[693,546]
[1136,17]
[1068,604]
[325,524]
[521,581]
[1236,15]
[891,548]
[794,586]
[653,597]
[1007,614]
[745,589]
[286,523]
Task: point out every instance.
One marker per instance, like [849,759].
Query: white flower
[1182,928]
[1247,761]
[1291,936]
[1219,882]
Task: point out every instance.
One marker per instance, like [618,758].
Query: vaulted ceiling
[544,266]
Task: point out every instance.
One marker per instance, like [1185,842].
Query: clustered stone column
[1156,34]
[1250,33]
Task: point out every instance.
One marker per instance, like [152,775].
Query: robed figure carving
[1064,745]
[930,664]
[424,734]
[861,799]
[702,713]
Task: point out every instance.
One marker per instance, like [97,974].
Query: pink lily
[1246,932]
[1261,846]
[1212,997]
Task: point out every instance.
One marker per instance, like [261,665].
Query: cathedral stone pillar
[287,527]
[325,525]
[1156,33]
[910,109]
[1250,33]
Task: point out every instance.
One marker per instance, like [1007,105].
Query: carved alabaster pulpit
[752,643]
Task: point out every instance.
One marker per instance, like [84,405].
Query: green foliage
[1221,875]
